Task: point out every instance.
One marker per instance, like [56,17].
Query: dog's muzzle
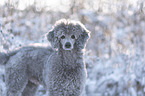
[68,45]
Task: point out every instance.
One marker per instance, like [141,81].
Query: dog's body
[61,71]
[66,76]
[25,66]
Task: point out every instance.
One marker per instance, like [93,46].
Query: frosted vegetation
[115,54]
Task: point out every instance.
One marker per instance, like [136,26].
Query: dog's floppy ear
[52,39]
[83,38]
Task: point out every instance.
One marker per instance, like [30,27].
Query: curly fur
[61,71]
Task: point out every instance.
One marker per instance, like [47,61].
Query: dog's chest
[68,76]
[68,71]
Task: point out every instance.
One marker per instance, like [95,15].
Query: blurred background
[115,53]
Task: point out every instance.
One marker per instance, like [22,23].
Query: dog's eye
[62,37]
[73,36]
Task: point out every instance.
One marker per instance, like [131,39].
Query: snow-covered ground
[115,53]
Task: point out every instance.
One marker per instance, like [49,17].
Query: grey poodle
[60,69]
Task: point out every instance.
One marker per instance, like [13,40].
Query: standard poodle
[60,68]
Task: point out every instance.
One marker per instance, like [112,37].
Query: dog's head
[68,34]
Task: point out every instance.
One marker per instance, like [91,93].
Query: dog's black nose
[67,45]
